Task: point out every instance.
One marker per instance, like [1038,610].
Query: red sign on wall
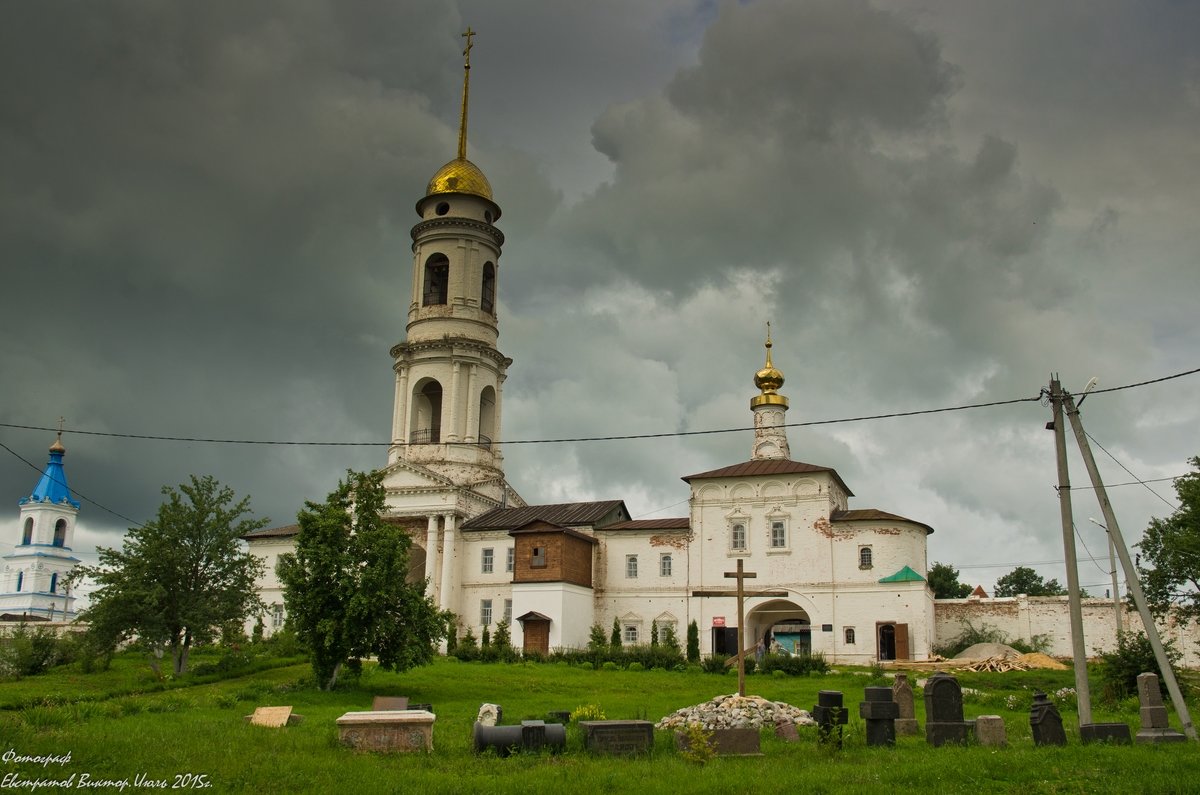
[718,621]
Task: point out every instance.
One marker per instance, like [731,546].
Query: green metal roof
[904,575]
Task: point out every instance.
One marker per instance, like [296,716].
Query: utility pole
[1131,577]
[1082,692]
[1112,570]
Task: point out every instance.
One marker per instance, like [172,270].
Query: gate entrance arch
[781,621]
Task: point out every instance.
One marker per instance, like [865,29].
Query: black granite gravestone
[944,711]
[880,713]
[830,715]
[1045,723]
[618,736]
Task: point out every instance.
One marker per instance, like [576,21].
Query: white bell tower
[33,576]
[770,409]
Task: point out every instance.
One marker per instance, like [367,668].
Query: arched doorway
[783,622]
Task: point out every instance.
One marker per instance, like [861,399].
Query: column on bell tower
[770,409]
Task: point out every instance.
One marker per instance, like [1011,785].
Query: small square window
[631,566]
[631,633]
[487,558]
[485,612]
[664,565]
[538,559]
[509,558]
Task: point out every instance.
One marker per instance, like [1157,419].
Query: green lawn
[198,729]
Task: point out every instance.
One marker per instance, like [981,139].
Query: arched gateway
[781,621]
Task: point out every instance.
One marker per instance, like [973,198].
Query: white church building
[33,576]
[849,583]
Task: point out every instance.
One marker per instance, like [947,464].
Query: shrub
[1134,655]
[713,664]
[693,642]
[597,641]
[587,666]
[609,666]
[614,637]
[636,666]
[698,745]
[968,636]
[587,712]
[795,664]
[28,652]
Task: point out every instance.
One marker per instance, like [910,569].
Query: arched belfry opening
[487,295]
[437,280]
[487,417]
[60,532]
[427,413]
[27,536]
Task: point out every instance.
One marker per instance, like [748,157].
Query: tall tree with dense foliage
[1171,547]
[180,576]
[346,587]
[943,580]
[1024,580]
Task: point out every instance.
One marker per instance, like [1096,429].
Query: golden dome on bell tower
[769,380]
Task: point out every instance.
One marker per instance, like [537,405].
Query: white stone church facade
[845,582]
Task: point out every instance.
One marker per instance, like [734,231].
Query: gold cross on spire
[462,119]
[467,52]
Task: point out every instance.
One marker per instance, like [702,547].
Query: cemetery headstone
[1112,733]
[902,694]
[944,711]
[401,730]
[830,716]
[273,717]
[1045,723]
[489,714]
[990,731]
[620,737]
[880,713]
[1156,728]
[786,731]
[383,703]
[531,735]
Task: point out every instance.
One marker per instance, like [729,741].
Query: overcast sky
[204,232]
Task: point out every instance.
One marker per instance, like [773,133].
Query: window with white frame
[778,534]
[508,611]
[864,557]
[664,564]
[631,633]
[737,536]
[485,612]
[276,616]
[631,566]
[849,636]
[487,560]
[510,558]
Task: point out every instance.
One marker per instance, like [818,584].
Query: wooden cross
[741,593]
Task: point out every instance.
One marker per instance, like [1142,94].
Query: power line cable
[1122,466]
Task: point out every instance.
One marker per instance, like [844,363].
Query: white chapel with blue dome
[33,577]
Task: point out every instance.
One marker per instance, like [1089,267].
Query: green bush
[636,666]
[693,642]
[713,664]
[1134,655]
[795,664]
[609,666]
[31,651]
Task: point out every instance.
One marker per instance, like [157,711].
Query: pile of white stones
[737,712]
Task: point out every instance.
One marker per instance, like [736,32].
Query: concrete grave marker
[403,730]
[384,703]
[902,694]
[1156,728]
[990,731]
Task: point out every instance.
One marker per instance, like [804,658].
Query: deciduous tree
[180,576]
[1171,547]
[1024,580]
[943,580]
[345,586]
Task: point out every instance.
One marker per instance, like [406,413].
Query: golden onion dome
[460,176]
[768,380]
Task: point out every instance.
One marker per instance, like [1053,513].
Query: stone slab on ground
[402,731]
